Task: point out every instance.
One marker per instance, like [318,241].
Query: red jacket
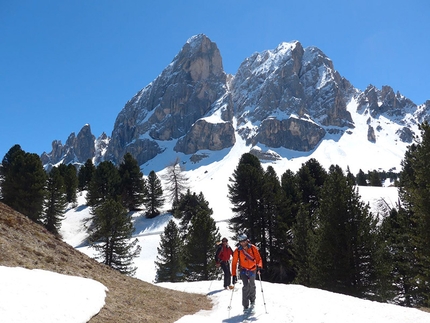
[223,253]
[248,258]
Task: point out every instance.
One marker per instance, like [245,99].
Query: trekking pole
[261,284]
[229,305]
[220,272]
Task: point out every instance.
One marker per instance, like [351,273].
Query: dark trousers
[225,266]
[248,289]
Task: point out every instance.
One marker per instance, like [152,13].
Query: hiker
[222,258]
[250,264]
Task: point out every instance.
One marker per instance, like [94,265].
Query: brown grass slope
[26,244]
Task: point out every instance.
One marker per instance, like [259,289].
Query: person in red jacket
[249,260]
[222,258]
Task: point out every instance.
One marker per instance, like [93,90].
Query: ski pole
[219,272]
[229,305]
[262,293]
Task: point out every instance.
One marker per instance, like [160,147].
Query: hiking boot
[230,287]
[245,309]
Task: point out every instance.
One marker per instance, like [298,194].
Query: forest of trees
[310,225]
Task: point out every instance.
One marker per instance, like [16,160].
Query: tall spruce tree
[199,247]
[111,237]
[85,175]
[245,196]
[308,183]
[105,184]
[56,201]
[188,207]
[347,249]
[414,194]
[132,185]
[70,178]
[396,231]
[24,183]
[154,195]
[170,258]
[361,178]
[271,216]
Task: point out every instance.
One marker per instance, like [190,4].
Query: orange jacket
[248,262]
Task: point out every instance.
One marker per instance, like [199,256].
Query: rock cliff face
[168,108]
[290,97]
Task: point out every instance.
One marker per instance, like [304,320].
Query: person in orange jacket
[250,263]
[222,258]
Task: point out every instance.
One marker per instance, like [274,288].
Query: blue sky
[67,63]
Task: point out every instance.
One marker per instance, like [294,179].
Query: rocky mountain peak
[289,97]
[169,107]
[77,149]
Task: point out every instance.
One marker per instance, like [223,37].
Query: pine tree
[170,262]
[85,175]
[132,183]
[110,237]
[396,231]
[188,206]
[303,246]
[245,195]
[414,194]
[374,178]
[271,216]
[55,203]
[154,197]
[199,247]
[347,248]
[70,177]
[104,185]
[24,183]
[361,178]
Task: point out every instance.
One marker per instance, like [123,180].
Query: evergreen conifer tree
[154,196]
[396,231]
[346,252]
[111,237]
[374,178]
[188,207]
[170,262]
[24,183]
[85,175]
[55,203]
[70,178]
[105,184]
[361,178]
[132,183]
[245,196]
[414,193]
[271,217]
[199,247]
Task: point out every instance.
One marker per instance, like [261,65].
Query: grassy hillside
[29,245]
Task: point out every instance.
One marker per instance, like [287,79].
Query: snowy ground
[38,296]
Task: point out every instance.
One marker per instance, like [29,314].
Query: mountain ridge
[290,98]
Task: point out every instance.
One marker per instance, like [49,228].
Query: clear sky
[67,63]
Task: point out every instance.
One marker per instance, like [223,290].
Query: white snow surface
[41,296]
